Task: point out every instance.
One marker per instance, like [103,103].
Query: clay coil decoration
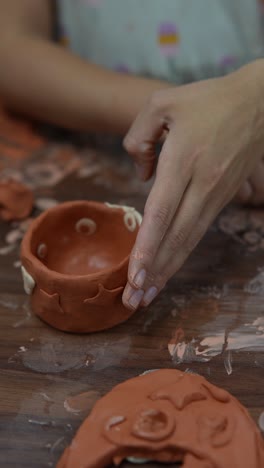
[167,416]
[74,264]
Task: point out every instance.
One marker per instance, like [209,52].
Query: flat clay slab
[74,264]
[167,416]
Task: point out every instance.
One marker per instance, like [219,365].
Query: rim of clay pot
[29,256]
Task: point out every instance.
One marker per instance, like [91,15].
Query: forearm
[49,83]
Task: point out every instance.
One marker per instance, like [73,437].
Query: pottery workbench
[209,319]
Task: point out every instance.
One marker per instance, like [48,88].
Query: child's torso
[180,40]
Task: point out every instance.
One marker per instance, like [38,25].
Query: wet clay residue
[167,416]
[16,200]
[81,403]
[222,327]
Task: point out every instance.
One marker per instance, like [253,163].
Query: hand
[252,191]
[214,140]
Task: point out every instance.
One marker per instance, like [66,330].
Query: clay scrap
[16,200]
[74,264]
[167,416]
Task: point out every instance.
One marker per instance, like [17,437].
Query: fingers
[173,249]
[135,297]
[181,238]
[160,210]
[196,212]
[175,246]
[176,261]
[245,193]
[257,183]
[146,131]
[252,191]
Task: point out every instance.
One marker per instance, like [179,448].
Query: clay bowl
[74,264]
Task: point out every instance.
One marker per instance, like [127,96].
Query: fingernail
[150,294]
[140,278]
[136,298]
[247,191]
[145,147]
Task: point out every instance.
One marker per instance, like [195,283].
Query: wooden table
[208,320]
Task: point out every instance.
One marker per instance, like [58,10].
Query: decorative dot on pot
[74,264]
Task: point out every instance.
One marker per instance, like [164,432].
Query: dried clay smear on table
[167,416]
[74,264]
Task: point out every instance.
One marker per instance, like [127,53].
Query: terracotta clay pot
[74,264]
[167,416]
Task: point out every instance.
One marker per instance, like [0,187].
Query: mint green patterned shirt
[177,40]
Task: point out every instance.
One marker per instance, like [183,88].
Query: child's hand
[214,141]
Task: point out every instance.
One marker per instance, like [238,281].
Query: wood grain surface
[208,320]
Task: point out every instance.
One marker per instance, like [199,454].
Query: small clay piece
[16,200]
[252,237]
[74,264]
[167,416]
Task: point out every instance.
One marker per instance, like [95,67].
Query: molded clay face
[74,264]
[167,416]
[16,200]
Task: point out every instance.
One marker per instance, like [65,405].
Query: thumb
[244,195]
[140,141]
